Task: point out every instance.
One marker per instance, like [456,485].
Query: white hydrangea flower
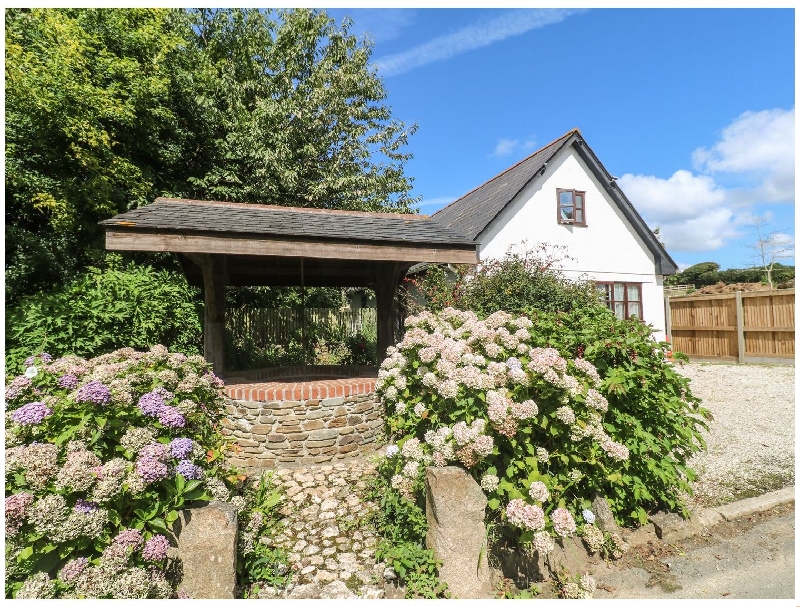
[489,482]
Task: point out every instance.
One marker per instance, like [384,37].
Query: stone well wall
[285,422]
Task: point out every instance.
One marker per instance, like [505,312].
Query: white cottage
[563,195]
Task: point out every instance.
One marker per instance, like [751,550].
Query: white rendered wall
[607,249]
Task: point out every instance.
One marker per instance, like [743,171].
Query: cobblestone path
[325,531]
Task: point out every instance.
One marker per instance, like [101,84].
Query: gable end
[664,264]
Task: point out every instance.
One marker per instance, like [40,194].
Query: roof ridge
[514,166]
[288,208]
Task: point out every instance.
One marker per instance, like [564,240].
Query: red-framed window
[622,298]
[571,207]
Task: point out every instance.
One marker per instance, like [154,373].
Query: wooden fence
[676,290]
[280,325]
[743,327]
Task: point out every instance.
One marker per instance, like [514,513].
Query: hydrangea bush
[528,423]
[100,456]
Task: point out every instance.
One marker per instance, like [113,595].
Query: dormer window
[571,207]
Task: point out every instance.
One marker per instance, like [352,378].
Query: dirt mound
[721,287]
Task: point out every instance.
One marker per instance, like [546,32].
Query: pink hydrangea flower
[563,523]
[155,549]
[538,491]
[130,537]
[524,515]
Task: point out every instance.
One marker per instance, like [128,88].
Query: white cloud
[506,147]
[759,145]
[681,197]
[783,240]
[697,212]
[708,231]
[511,23]
[777,246]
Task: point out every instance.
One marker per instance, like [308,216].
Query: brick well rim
[291,384]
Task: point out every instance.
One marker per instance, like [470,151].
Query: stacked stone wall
[287,433]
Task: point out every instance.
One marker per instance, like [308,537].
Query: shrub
[257,561]
[401,522]
[532,426]
[361,350]
[242,352]
[104,310]
[651,406]
[522,279]
[435,289]
[100,456]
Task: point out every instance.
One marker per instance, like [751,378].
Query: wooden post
[214,280]
[386,281]
[667,319]
[740,325]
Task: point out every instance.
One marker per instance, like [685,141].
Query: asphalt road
[751,558]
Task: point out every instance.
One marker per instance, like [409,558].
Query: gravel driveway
[751,439]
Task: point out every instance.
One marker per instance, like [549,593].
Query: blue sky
[693,110]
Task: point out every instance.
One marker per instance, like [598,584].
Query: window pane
[634,310]
[619,291]
[619,310]
[564,198]
[566,212]
[578,201]
[633,293]
[605,291]
[578,216]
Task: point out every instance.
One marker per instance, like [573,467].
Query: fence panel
[711,326]
[769,324]
[266,326]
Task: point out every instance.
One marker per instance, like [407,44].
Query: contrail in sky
[512,23]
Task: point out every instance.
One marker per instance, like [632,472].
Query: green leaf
[180,483]
[48,562]
[195,494]
[25,554]
[158,525]
[192,485]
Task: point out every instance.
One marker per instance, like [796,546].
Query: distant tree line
[708,273]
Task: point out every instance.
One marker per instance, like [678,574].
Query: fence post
[667,319]
[740,325]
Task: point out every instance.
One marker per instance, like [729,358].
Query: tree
[700,274]
[108,108]
[295,114]
[770,247]
[91,130]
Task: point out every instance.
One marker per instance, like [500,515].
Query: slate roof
[241,219]
[475,211]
